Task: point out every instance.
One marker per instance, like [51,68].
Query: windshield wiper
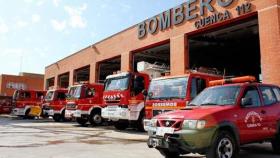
[209,104]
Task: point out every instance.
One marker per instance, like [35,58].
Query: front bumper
[69,113]
[80,113]
[115,113]
[18,111]
[183,141]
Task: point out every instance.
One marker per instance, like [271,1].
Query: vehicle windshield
[118,83]
[223,95]
[75,92]
[20,95]
[50,95]
[173,88]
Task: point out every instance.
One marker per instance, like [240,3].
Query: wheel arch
[94,108]
[230,127]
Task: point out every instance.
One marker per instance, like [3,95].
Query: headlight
[194,124]
[150,123]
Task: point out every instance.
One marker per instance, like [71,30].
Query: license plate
[161,131]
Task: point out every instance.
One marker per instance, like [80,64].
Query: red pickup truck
[219,120]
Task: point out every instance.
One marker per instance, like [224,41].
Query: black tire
[276,144]
[26,115]
[57,117]
[81,121]
[140,122]
[95,118]
[168,154]
[223,144]
[121,125]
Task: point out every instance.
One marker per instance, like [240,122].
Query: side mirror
[145,92]
[246,101]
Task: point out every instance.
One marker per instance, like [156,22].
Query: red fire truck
[54,104]
[174,92]
[23,100]
[85,103]
[5,104]
[124,100]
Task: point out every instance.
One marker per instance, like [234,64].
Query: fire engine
[54,104]
[123,95]
[85,103]
[223,117]
[174,92]
[5,104]
[24,100]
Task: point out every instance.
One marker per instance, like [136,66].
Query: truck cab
[175,92]
[23,100]
[54,103]
[220,119]
[85,103]
[124,100]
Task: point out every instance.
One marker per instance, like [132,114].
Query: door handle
[263,112]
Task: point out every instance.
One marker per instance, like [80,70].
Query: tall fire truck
[24,100]
[54,104]
[123,95]
[174,92]
[85,103]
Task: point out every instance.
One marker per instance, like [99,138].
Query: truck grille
[70,106]
[177,124]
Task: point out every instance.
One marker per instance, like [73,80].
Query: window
[90,92]
[277,93]
[198,85]
[252,93]
[61,96]
[138,85]
[268,96]
[39,95]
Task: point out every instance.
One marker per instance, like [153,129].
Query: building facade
[237,37]
[26,81]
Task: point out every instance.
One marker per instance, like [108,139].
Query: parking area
[44,138]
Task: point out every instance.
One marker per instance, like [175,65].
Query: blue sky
[37,33]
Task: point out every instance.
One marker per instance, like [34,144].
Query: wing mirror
[145,92]
[246,101]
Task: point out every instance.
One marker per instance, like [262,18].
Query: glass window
[61,95]
[49,95]
[198,85]
[252,93]
[169,88]
[90,92]
[222,95]
[268,96]
[277,93]
[118,83]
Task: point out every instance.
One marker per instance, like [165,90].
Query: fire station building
[25,81]
[237,37]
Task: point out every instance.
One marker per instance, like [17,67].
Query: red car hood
[194,112]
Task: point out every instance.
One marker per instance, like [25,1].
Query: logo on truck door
[253,119]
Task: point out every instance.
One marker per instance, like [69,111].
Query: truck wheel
[276,144]
[57,117]
[224,145]
[121,125]
[95,118]
[82,121]
[168,154]
[26,115]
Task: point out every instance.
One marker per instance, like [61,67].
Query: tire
[121,125]
[140,122]
[223,145]
[57,117]
[95,118]
[168,154]
[82,121]
[26,115]
[276,144]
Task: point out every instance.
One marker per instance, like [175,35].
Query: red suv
[219,120]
